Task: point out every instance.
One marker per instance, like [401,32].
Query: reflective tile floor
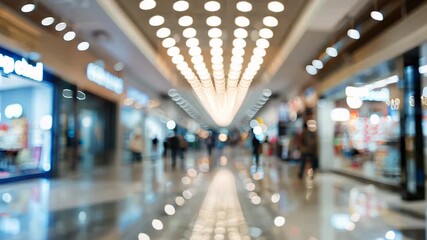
[221,197]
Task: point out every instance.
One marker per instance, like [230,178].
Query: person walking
[256,147]
[174,148]
[308,150]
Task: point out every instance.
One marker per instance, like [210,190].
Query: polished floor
[221,197]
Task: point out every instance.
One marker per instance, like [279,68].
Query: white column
[325,134]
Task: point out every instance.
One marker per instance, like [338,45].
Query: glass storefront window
[25,126]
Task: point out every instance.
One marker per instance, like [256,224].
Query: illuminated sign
[21,67]
[103,78]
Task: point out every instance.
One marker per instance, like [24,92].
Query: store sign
[103,78]
[137,96]
[20,67]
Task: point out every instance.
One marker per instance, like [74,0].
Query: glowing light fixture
[143,236]
[83,46]
[276,6]
[262,43]
[171,124]
[69,36]
[28,8]
[47,21]
[147,4]
[163,32]
[244,6]
[213,21]
[331,51]
[242,21]
[212,6]
[311,70]
[279,221]
[377,16]
[168,42]
[185,21]
[60,26]
[181,6]
[240,33]
[353,33]
[317,64]
[157,224]
[270,21]
[340,115]
[354,102]
[192,42]
[266,33]
[214,33]
[189,33]
[156,21]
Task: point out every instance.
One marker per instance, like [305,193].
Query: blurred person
[308,150]
[267,150]
[136,146]
[183,145]
[256,149]
[154,147]
[210,143]
[173,144]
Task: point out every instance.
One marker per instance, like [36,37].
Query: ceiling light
[181,6]
[317,64]
[212,6]
[276,6]
[83,46]
[217,51]
[353,33]
[60,26]
[215,33]
[244,6]
[215,42]
[173,51]
[119,66]
[240,33]
[238,51]
[156,20]
[189,33]
[48,21]
[28,8]
[185,21]
[195,51]
[213,21]
[242,21]
[217,59]
[168,42]
[377,15]
[270,21]
[240,43]
[163,33]
[262,43]
[192,42]
[331,51]
[178,59]
[197,59]
[311,70]
[260,52]
[266,33]
[69,36]
[147,4]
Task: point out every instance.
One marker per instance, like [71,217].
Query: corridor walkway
[224,197]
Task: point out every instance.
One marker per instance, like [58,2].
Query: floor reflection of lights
[221,215]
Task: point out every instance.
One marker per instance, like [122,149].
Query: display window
[25,125]
[367,130]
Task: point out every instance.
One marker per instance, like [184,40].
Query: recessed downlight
[156,20]
[331,51]
[215,42]
[163,32]
[192,42]
[168,42]
[181,6]
[353,33]
[147,4]
[212,6]
[262,43]
[244,6]
[213,21]
[242,21]
[311,70]
[47,21]
[69,36]
[377,15]
[185,21]
[214,33]
[317,64]
[266,33]
[270,21]
[240,33]
[60,26]
[28,8]
[83,46]
[276,6]
[189,33]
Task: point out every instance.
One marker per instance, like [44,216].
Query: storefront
[26,117]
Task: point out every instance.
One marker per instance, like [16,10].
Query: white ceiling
[88,16]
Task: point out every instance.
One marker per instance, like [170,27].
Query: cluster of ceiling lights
[332,51]
[187,107]
[59,27]
[221,95]
[266,94]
